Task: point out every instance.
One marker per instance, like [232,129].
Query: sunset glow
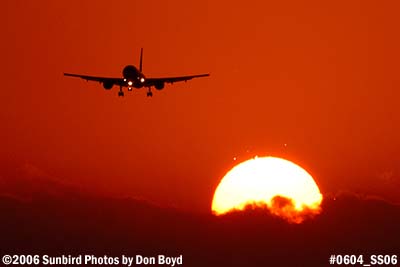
[284,187]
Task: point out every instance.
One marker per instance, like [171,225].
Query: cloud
[280,207]
[103,225]
[46,215]
[285,208]
[28,181]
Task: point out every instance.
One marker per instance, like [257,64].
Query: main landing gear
[120,93]
[149,93]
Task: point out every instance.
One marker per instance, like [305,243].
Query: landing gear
[120,93]
[149,93]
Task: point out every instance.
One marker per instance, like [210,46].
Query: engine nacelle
[107,85]
[159,85]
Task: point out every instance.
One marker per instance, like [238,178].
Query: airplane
[134,78]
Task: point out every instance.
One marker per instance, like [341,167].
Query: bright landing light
[130,83]
[283,187]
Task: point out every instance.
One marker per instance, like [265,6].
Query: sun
[285,188]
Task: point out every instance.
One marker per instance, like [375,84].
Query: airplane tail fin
[141,60]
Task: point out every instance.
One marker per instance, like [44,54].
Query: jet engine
[107,85]
[159,85]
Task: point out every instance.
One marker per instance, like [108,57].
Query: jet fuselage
[133,77]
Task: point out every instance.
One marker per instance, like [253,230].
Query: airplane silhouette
[134,78]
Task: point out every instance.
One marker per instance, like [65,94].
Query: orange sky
[321,77]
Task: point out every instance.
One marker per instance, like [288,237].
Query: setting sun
[283,187]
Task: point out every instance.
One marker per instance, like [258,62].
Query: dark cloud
[27,181]
[81,224]
[285,208]
[280,206]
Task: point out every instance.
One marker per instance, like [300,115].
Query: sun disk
[285,188]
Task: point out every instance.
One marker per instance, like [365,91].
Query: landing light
[130,83]
[142,80]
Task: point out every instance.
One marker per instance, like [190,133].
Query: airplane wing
[154,81]
[149,82]
[104,80]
